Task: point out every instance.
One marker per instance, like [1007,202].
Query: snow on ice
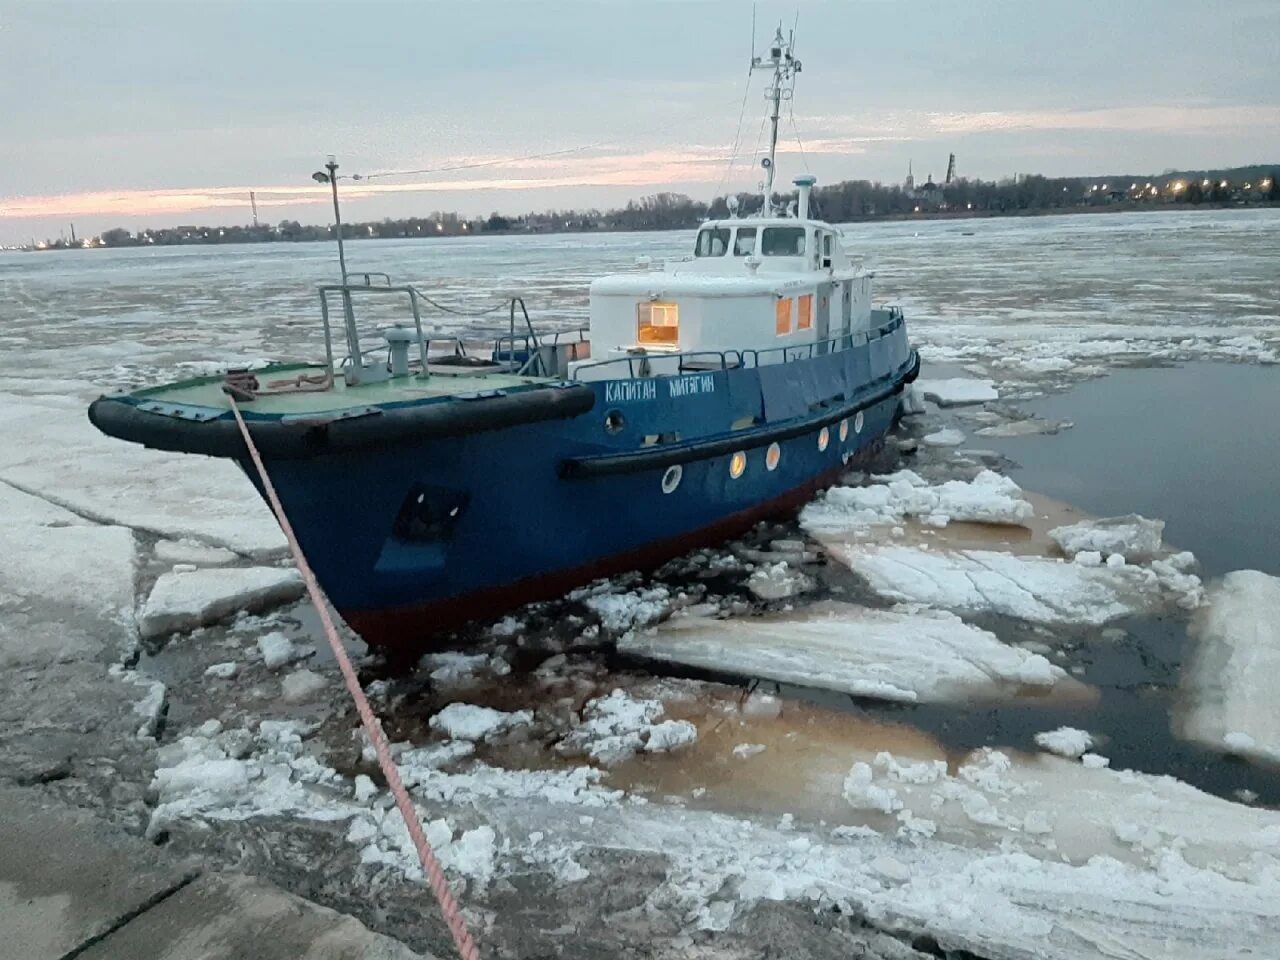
[66,587]
[184,601]
[777,581]
[192,551]
[1229,681]
[618,726]
[957,391]
[888,498]
[623,611]
[465,721]
[1065,742]
[1135,538]
[1037,589]
[904,656]
[112,482]
[946,437]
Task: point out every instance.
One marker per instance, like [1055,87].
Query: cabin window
[744,242]
[804,312]
[782,242]
[782,316]
[826,250]
[657,323]
[712,242]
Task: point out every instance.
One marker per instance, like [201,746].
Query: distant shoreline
[923,215]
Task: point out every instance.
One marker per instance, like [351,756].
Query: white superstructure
[755,284]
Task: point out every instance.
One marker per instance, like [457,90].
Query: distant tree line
[847,201]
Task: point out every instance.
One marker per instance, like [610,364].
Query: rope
[431,869]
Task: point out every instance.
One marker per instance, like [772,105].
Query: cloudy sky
[148,114]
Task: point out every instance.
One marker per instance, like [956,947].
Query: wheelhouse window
[744,242]
[782,315]
[657,323]
[826,250]
[712,242]
[804,312]
[782,242]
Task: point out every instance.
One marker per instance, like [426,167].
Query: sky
[141,114]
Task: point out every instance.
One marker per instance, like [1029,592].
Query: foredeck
[278,396]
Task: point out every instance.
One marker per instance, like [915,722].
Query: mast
[785,67]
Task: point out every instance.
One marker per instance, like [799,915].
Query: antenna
[785,67]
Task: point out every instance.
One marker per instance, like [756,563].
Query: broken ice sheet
[1036,589]
[905,656]
[1229,681]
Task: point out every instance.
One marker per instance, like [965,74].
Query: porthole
[824,438]
[614,421]
[772,456]
[844,430]
[857,423]
[671,479]
[737,464]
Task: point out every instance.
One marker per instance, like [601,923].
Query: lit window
[744,242]
[824,438]
[783,316]
[772,456]
[844,430]
[712,242]
[782,242]
[804,315]
[737,464]
[657,323]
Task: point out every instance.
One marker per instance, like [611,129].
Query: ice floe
[1135,538]
[184,601]
[946,437]
[1038,589]
[620,611]
[888,498]
[886,654]
[465,721]
[66,586]
[192,551]
[109,481]
[1228,682]
[618,726]
[302,685]
[1065,742]
[777,581]
[957,391]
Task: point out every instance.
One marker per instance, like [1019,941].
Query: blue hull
[417,538]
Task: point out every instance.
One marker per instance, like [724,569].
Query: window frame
[714,233]
[792,231]
[804,311]
[670,312]
[753,232]
[783,311]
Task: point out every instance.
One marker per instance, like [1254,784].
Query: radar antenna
[785,67]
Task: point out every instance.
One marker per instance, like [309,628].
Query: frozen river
[1083,288]
[932,642]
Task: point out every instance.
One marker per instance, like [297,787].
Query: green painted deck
[207,391]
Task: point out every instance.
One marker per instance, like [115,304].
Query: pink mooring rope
[431,869]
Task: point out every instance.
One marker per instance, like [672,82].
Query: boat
[431,482]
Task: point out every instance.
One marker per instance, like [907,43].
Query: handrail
[789,352]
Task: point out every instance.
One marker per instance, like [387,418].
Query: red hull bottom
[420,627]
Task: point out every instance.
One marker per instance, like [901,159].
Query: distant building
[929,195]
